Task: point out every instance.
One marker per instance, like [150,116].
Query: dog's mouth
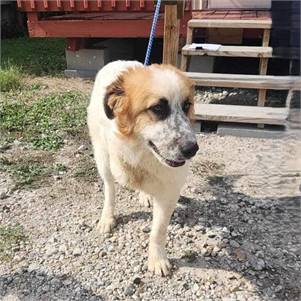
[170,163]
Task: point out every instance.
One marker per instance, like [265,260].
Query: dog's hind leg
[107,219]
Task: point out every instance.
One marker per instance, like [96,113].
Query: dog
[139,121]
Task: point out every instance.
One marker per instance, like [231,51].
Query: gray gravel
[239,96]
[235,234]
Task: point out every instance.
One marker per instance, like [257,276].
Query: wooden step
[241,114]
[246,81]
[232,51]
[226,23]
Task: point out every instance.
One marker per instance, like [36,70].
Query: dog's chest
[135,177]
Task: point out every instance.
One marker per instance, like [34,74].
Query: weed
[23,173]
[35,56]
[10,239]
[10,79]
[46,122]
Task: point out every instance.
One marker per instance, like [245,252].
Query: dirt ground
[235,234]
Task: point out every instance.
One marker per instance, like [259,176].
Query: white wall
[240,4]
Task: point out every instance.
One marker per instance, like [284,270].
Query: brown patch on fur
[135,175]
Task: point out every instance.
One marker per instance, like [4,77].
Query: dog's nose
[189,149]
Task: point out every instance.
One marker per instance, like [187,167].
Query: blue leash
[152,33]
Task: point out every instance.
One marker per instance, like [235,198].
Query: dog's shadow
[257,230]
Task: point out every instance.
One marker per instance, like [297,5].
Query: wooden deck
[241,114]
[232,51]
[232,15]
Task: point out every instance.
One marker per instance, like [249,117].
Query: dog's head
[155,104]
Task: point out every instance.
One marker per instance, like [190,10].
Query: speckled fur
[126,156]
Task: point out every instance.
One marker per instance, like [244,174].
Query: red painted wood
[74,44]
[142,4]
[45,3]
[93,5]
[32,4]
[127,3]
[85,4]
[131,28]
[19,3]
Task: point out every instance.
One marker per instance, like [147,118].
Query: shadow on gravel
[260,236]
[37,285]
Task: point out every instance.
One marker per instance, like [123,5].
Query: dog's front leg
[107,219]
[157,260]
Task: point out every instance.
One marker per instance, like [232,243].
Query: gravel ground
[239,96]
[235,234]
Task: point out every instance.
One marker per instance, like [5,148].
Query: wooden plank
[92,28]
[263,66]
[232,51]
[228,23]
[246,81]
[171,35]
[241,114]
[184,58]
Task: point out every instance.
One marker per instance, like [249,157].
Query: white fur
[112,154]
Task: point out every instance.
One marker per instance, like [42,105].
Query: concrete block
[251,131]
[83,73]
[86,59]
[87,62]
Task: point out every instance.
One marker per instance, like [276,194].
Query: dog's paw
[158,263]
[106,225]
[145,200]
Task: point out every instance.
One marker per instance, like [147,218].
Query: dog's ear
[114,98]
[117,105]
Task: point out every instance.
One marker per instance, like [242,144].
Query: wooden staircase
[247,114]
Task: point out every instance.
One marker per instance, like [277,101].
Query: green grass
[10,79]
[10,239]
[34,56]
[46,121]
[24,173]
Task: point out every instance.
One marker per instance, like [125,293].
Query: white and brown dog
[139,120]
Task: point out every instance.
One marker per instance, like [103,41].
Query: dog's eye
[161,109]
[186,106]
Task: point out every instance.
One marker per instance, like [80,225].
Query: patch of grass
[46,122]
[24,173]
[35,56]
[10,239]
[10,79]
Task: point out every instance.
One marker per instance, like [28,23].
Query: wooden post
[263,67]
[184,58]
[171,34]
